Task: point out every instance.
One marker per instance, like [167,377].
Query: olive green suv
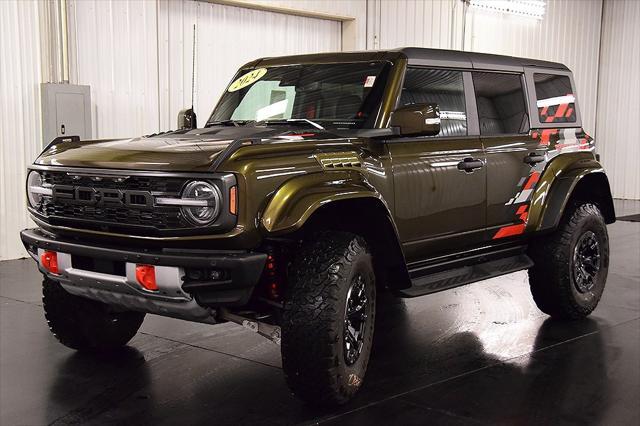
[317,181]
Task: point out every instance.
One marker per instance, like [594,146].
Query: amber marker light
[233,200]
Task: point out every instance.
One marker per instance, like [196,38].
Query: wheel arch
[342,201]
[565,181]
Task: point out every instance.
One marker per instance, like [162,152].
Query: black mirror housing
[187,119]
[417,119]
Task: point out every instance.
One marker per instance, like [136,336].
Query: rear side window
[554,98]
[501,103]
[442,87]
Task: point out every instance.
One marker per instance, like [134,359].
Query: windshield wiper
[294,121]
[235,123]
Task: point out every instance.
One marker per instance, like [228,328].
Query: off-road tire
[84,324]
[551,279]
[313,327]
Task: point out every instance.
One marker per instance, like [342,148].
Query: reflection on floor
[478,354]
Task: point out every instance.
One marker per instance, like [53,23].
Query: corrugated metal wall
[227,37]
[20,71]
[569,33]
[137,56]
[115,51]
[418,23]
[619,96]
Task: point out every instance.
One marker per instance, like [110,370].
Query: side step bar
[456,277]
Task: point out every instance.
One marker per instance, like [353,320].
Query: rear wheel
[571,265]
[84,324]
[328,319]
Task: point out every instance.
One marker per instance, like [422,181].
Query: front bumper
[177,295]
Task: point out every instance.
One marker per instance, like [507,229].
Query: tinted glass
[442,87]
[501,105]
[333,95]
[554,98]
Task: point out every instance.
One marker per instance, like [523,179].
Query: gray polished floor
[477,354]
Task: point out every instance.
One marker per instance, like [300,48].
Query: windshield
[330,95]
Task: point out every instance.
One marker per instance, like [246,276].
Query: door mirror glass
[417,119]
[187,119]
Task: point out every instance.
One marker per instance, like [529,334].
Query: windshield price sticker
[247,79]
[369,81]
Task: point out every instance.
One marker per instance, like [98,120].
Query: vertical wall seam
[599,70]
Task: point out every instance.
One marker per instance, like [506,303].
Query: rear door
[513,157]
[438,207]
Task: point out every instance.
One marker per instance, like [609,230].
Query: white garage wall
[20,70]
[417,23]
[137,56]
[569,33]
[113,48]
[619,96]
[227,37]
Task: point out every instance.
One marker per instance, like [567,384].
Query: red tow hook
[146,276]
[49,260]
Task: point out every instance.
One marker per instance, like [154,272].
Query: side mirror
[417,119]
[187,119]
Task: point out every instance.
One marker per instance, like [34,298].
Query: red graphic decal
[546,136]
[562,108]
[521,209]
[533,179]
[511,230]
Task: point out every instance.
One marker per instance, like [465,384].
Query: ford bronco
[317,181]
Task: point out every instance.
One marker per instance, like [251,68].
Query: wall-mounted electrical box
[66,111]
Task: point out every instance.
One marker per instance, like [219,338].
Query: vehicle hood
[196,150]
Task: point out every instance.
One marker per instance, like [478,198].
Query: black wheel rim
[586,262]
[355,320]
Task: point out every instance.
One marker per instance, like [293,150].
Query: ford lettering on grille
[101,196]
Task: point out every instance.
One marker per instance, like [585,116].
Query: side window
[442,87]
[554,98]
[501,103]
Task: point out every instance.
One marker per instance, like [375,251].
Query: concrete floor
[477,354]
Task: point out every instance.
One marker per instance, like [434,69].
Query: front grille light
[36,189]
[200,202]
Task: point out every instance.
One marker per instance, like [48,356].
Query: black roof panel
[462,59]
[417,56]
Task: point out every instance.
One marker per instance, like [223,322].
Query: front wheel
[328,319]
[571,265]
[84,324]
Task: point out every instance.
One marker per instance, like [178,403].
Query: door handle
[470,164]
[533,158]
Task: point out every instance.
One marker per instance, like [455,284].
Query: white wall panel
[20,70]
[619,97]
[115,53]
[419,23]
[137,56]
[569,33]
[227,37]
[356,9]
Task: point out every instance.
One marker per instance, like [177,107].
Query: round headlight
[200,203]
[34,188]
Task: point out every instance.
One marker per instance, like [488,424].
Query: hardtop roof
[418,56]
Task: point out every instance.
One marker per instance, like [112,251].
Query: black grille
[169,185]
[165,218]
[115,217]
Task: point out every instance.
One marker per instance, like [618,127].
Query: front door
[440,202]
